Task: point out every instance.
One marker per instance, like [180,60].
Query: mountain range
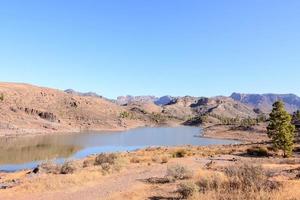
[29,109]
[263,102]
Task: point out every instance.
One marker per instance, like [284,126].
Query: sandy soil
[91,184]
[256,134]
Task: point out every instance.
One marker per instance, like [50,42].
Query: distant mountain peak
[86,94]
[161,101]
[265,101]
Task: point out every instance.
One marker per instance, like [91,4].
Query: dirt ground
[129,180]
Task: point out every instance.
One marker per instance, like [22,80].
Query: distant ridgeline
[264,102]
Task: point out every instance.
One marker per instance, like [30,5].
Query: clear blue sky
[176,47]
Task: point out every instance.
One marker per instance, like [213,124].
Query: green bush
[196,120]
[124,114]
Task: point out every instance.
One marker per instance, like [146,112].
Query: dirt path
[128,183]
[102,189]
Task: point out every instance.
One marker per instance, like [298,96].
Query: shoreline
[132,167]
[217,131]
[76,130]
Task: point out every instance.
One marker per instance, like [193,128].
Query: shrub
[237,182]
[105,166]
[246,177]
[49,167]
[195,121]
[179,153]
[156,117]
[105,158]
[68,168]
[88,163]
[1,97]
[214,181]
[187,189]
[120,163]
[258,151]
[179,172]
[126,115]
[164,180]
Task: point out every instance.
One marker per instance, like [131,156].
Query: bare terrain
[27,109]
[250,170]
[149,174]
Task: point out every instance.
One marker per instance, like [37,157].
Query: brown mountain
[186,107]
[28,109]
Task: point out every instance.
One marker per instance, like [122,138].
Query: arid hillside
[30,109]
[215,107]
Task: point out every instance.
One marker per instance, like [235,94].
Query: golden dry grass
[151,159]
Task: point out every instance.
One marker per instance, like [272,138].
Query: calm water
[28,152]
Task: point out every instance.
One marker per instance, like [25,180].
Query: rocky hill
[160,101]
[264,101]
[85,94]
[28,109]
[122,100]
[225,107]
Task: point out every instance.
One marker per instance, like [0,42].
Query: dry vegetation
[219,173]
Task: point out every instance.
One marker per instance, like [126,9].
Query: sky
[152,47]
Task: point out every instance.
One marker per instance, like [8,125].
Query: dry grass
[258,151]
[227,180]
[187,189]
[243,181]
[179,172]
[180,153]
[68,168]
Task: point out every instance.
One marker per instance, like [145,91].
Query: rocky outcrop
[42,114]
[160,101]
[123,100]
[164,100]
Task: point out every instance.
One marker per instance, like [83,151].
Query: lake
[27,152]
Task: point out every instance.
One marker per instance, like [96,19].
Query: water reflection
[27,152]
[29,149]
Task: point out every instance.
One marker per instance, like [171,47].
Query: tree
[296,116]
[280,129]
[296,121]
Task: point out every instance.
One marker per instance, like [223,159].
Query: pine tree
[280,129]
[296,116]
